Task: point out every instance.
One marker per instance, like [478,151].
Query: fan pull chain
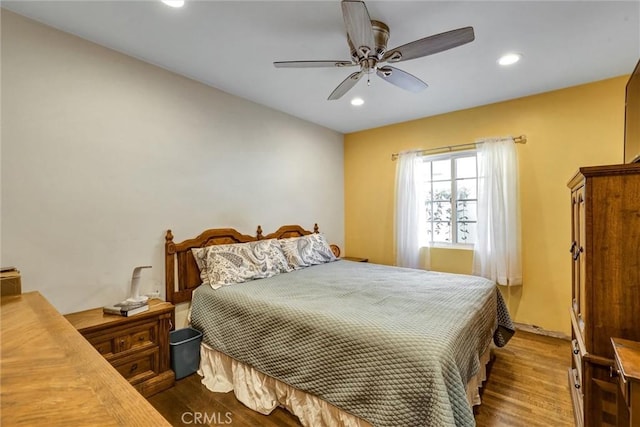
[368,79]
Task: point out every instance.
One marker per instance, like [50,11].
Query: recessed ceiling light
[357,102]
[509,58]
[174,3]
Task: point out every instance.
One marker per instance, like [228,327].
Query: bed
[341,342]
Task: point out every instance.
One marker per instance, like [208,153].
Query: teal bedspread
[393,346]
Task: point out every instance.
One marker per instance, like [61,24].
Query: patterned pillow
[304,251]
[222,265]
[272,250]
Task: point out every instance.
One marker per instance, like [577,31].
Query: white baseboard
[540,331]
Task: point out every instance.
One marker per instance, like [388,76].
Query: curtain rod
[522,139]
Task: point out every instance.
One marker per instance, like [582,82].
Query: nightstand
[137,346]
[627,368]
[355,259]
[336,251]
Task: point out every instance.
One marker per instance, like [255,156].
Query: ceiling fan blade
[358,25]
[402,79]
[430,45]
[346,84]
[312,64]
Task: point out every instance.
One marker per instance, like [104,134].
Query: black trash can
[185,351]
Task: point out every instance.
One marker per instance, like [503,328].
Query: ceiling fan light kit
[367,40]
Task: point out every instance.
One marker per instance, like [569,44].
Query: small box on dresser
[10,281]
[137,346]
[605,257]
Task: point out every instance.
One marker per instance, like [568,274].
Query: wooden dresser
[52,376]
[605,255]
[137,346]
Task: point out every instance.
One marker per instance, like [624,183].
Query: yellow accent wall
[565,129]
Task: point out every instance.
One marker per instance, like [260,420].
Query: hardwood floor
[526,386]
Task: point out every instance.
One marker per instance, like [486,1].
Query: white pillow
[308,250]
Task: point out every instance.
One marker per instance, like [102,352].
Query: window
[451,185]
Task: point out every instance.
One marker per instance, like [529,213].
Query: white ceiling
[231,45]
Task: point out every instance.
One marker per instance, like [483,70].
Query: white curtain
[410,211]
[497,252]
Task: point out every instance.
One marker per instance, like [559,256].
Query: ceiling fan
[367,41]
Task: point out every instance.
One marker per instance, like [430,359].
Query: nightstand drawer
[622,382]
[111,342]
[139,366]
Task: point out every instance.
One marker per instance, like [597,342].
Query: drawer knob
[133,367]
[576,385]
[122,343]
[576,349]
[141,339]
[613,372]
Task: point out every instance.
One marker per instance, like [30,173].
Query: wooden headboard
[181,267]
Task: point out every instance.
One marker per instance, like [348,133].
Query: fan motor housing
[380,37]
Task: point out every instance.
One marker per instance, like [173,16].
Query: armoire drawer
[578,333]
[577,359]
[577,398]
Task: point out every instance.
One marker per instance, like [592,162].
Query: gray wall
[102,153]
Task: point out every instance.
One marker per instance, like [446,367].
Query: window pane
[442,232]
[466,189]
[467,232]
[441,211]
[466,167]
[442,190]
[427,170]
[441,169]
[446,216]
[467,211]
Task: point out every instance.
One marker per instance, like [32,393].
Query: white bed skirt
[263,394]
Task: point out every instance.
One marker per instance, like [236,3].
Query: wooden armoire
[605,255]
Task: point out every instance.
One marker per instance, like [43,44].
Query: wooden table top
[50,375]
[90,320]
[628,354]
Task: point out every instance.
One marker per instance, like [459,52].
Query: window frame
[451,156]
